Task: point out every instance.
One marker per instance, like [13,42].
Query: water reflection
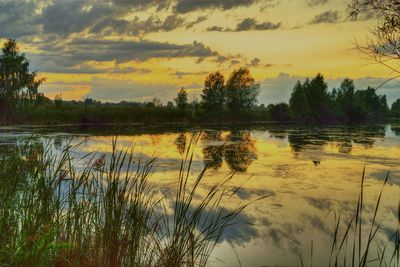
[343,138]
[310,171]
[238,150]
[213,154]
[180,143]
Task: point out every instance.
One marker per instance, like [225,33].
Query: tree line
[312,100]
[234,98]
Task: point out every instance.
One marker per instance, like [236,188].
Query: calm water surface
[310,172]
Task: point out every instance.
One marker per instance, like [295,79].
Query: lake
[312,174]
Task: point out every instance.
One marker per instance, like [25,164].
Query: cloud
[136,26]
[251,24]
[255,62]
[16,19]
[312,3]
[248,24]
[66,17]
[65,57]
[197,21]
[62,18]
[329,16]
[185,6]
[180,74]
[215,29]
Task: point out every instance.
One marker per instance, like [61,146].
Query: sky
[134,50]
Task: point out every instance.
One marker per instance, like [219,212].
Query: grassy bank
[73,113]
[76,113]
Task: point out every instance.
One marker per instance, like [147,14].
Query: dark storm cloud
[65,17]
[215,29]
[185,6]
[197,21]
[81,50]
[23,18]
[142,4]
[16,19]
[122,51]
[248,24]
[137,26]
[329,16]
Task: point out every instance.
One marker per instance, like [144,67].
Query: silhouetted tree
[298,103]
[318,98]
[182,99]
[241,91]
[213,96]
[17,83]
[89,101]
[150,105]
[279,112]
[41,99]
[157,102]
[345,100]
[395,110]
[312,100]
[369,105]
[170,104]
[58,101]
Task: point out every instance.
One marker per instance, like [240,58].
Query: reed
[355,242]
[106,213]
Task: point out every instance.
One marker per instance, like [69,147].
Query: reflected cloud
[319,203]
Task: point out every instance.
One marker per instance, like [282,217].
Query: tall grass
[107,213]
[355,242]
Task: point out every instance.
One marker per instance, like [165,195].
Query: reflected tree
[180,143]
[300,139]
[345,147]
[241,151]
[155,139]
[396,129]
[213,155]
